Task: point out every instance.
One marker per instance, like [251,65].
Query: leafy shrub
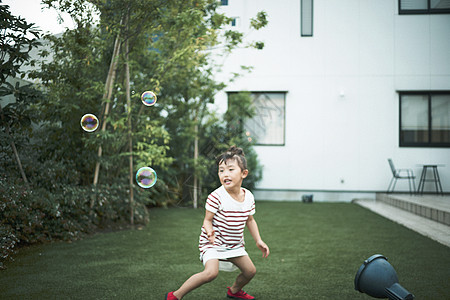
[38,216]
[8,242]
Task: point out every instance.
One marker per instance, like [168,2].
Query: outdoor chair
[401,174]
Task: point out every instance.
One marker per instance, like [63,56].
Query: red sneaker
[239,295]
[170,296]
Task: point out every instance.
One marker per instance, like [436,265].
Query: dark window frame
[429,10]
[301,19]
[428,144]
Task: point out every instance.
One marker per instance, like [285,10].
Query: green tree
[228,131]
[169,52]
[159,45]
[17,39]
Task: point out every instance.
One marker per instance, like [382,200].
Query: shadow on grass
[316,250]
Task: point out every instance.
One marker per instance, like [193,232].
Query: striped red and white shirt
[230,217]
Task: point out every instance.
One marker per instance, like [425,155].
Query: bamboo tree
[108,93]
[130,136]
[196,161]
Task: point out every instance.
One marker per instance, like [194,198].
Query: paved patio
[428,215]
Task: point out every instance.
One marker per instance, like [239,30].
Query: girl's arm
[207,224]
[253,228]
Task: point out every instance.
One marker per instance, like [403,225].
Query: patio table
[436,179]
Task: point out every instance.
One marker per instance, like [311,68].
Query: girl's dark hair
[233,153]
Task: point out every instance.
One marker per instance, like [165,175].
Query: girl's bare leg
[208,274]
[248,271]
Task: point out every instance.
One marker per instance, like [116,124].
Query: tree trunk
[195,162]
[107,95]
[13,147]
[130,137]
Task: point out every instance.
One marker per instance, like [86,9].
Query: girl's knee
[210,275]
[250,272]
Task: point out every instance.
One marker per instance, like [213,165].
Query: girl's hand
[263,247]
[211,237]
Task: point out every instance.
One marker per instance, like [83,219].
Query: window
[235,22]
[425,119]
[223,2]
[267,126]
[306,12]
[424,6]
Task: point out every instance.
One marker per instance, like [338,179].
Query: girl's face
[230,174]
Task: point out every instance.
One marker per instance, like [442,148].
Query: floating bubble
[148,98]
[89,122]
[146,177]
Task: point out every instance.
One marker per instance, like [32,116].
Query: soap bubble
[89,122]
[148,98]
[146,177]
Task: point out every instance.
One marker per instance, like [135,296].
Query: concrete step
[433,207]
[425,226]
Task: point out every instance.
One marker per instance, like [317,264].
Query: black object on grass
[377,278]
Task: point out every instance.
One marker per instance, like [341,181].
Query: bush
[8,242]
[38,216]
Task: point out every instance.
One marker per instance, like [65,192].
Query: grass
[316,250]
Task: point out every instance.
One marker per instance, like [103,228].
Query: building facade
[340,87]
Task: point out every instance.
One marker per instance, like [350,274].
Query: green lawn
[316,250]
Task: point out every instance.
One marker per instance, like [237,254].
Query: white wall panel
[342,114]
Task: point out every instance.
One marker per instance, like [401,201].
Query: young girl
[228,210]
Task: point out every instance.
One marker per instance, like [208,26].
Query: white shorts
[222,256]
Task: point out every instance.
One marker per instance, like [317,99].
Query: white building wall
[342,106]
